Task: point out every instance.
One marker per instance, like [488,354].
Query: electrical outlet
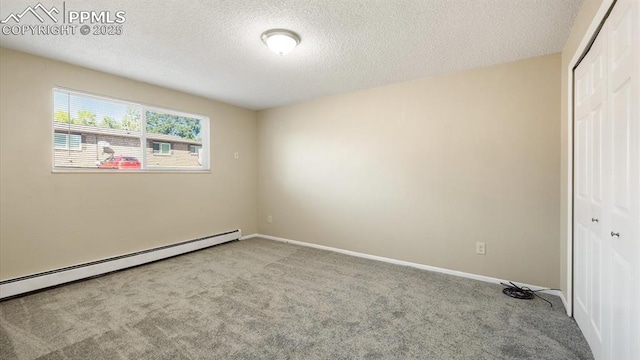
[269,219]
[236,155]
[481,248]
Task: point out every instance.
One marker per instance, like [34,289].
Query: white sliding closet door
[606,237]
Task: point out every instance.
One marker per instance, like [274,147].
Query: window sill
[125,171]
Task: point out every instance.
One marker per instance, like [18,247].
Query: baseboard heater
[25,284]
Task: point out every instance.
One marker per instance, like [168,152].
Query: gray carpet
[259,299]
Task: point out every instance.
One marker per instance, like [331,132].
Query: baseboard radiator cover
[18,286]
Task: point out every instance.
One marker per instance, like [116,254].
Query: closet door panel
[597,202]
[582,196]
[624,113]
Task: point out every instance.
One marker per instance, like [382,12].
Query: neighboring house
[85,146]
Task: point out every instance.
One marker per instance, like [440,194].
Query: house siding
[91,153]
[179,157]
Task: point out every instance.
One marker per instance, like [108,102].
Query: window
[68,141]
[93,132]
[161,148]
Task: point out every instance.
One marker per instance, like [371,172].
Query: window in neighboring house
[68,141]
[116,129]
[161,148]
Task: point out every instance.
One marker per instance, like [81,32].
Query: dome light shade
[280,41]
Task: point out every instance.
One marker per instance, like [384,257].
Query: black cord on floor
[522,292]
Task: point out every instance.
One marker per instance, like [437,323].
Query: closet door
[624,234]
[590,197]
[607,188]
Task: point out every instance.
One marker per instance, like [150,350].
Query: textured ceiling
[213,48]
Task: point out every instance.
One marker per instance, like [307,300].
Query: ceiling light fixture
[280,41]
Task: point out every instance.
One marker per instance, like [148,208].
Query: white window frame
[204,156]
[67,142]
[160,153]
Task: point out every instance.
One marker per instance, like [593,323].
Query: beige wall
[50,220]
[417,171]
[580,27]
[420,171]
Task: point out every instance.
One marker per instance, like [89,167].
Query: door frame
[585,44]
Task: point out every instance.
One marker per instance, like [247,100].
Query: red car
[120,162]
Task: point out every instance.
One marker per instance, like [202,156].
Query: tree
[86,117]
[61,116]
[110,123]
[131,120]
[184,127]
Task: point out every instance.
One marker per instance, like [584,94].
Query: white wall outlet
[236,155]
[481,248]
[269,219]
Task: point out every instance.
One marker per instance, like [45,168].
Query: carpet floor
[260,299]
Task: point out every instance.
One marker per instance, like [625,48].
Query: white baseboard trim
[29,283]
[411,264]
[567,308]
[249,236]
